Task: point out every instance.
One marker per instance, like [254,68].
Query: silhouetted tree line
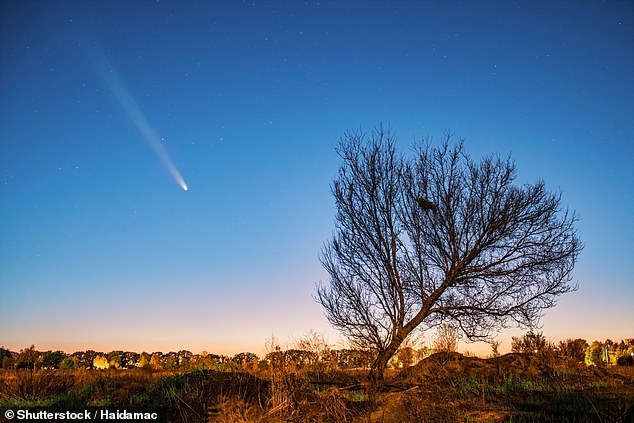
[574,350]
[296,359]
[292,359]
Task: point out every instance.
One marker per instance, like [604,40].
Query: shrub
[531,342]
[572,349]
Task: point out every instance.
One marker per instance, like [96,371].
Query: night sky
[104,104]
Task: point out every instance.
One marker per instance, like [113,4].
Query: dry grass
[443,387]
[236,410]
[33,385]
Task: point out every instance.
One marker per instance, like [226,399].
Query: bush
[531,342]
[572,349]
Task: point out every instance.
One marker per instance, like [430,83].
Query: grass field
[445,387]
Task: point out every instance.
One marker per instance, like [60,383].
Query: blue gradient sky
[101,249]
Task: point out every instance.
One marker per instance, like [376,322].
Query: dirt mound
[524,387]
[440,366]
[445,366]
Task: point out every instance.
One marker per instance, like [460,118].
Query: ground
[445,387]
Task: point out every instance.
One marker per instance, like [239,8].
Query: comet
[120,91]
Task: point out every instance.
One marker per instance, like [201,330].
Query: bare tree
[439,238]
[446,338]
[495,345]
[314,343]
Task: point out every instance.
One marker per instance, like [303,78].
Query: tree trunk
[377,371]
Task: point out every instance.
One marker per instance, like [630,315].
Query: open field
[443,387]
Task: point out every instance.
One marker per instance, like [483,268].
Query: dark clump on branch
[425,204]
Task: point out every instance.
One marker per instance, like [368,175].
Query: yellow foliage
[100,362]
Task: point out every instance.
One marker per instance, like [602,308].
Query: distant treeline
[595,354]
[311,356]
[30,358]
